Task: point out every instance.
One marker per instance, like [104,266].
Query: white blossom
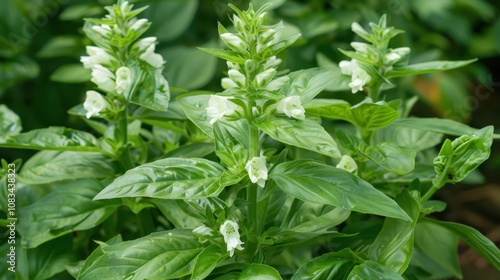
[237,77]
[104,30]
[143,44]
[347,163]
[103,78]
[264,77]
[229,230]
[94,103]
[151,57]
[123,80]
[359,77]
[96,56]
[233,41]
[218,107]
[292,107]
[257,170]
[228,83]
[138,24]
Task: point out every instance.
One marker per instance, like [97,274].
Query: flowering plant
[269,178]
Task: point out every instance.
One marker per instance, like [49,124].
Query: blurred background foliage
[41,42]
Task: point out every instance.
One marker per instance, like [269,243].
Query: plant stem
[125,153]
[253,151]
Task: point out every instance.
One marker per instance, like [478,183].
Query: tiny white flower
[228,83]
[218,107]
[277,83]
[103,78]
[264,77]
[123,80]
[229,230]
[233,41]
[203,231]
[292,107]
[151,57]
[94,103]
[360,47]
[104,30]
[346,67]
[143,44]
[392,58]
[257,170]
[231,65]
[138,24]
[358,79]
[237,77]
[347,163]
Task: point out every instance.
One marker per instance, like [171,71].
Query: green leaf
[458,158]
[393,246]
[371,116]
[305,134]
[10,123]
[170,18]
[52,166]
[71,73]
[192,150]
[171,178]
[259,272]
[308,83]
[444,126]
[207,260]
[160,255]
[50,258]
[180,213]
[64,210]
[331,266]
[61,46]
[427,67]
[229,149]
[98,253]
[188,68]
[476,240]
[16,70]
[225,54]
[150,95]
[417,139]
[195,108]
[435,251]
[320,183]
[373,270]
[52,138]
[393,158]
[330,108]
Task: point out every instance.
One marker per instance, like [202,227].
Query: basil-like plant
[280,197]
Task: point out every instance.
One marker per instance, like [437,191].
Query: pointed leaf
[207,260]
[308,83]
[330,108]
[259,272]
[171,178]
[427,67]
[160,255]
[320,183]
[195,108]
[371,116]
[393,158]
[305,134]
[225,54]
[373,270]
[10,123]
[53,215]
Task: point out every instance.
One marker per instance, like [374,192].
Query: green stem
[436,185]
[145,222]
[252,188]
[374,90]
[126,160]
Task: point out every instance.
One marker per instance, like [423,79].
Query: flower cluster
[372,61]
[120,58]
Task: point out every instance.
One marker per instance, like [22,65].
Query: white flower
[138,24]
[228,83]
[103,30]
[233,41]
[151,57]
[359,77]
[203,231]
[103,78]
[392,58]
[218,107]
[94,103]
[360,47]
[277,83]
[123,80]
[292,107]
[229,230]
[257,170]
[237,77]
[96,56]
[263,78]
[143,44]
[347,163]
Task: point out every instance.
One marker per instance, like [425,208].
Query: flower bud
[103,78]
[263,78]
[218,107]
[249,66]
[272,62]
[97,56]
[266,36]
[229,230]
[103,30]
[94,103]
[392,58]
[231,65]
[237,77]
[228,83]
[203,231]
[123,80]
[347,163]
[360,47]
[239,24]
[346,67]
[139,25]
[152,58]
[234,42]
[257,170]
[143,44]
